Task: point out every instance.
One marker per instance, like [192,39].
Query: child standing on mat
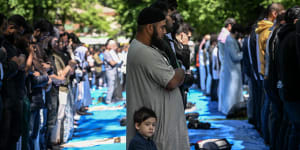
[144,122]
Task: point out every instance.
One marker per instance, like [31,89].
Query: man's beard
[155,40]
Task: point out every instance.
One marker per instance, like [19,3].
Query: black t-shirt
[10,49]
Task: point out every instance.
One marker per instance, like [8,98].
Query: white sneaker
[76,117]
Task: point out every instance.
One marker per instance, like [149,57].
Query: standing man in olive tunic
[153,83]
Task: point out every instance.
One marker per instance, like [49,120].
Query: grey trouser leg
[111,79]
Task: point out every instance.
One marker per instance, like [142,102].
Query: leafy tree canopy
[206,16]
[83,12]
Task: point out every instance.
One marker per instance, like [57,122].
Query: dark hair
[107,42]
[178,20]
[247,29]
[190,28]
[143,114]
[176,16]
[292,14]
[74,38]
[17,19]
[169,4]
[50,48]
[273,7]
[64,34]
[28,29]
[213,38]
[150,15]
[280,17]
[161,5]
[2,18]
[184,27]
[44,26]
[237,28]
[172,4]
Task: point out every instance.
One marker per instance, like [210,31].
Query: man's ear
[149,28]
[229,27]
[137,126]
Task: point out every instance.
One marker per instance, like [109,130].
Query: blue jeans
[293,112]
[34,127]
[43,129]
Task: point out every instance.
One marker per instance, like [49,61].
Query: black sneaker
[83,109]
[83,113]
[196,124]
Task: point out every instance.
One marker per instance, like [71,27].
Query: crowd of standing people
[46,77]
[47,73]
[271,54]
[265,58]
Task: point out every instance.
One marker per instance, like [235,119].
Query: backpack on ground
[123,121]
[191,116]
[196,124]
[238,110]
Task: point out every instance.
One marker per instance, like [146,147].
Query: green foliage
[128,11]
[78,11]
[206,16]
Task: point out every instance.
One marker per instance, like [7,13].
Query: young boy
[144,122]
